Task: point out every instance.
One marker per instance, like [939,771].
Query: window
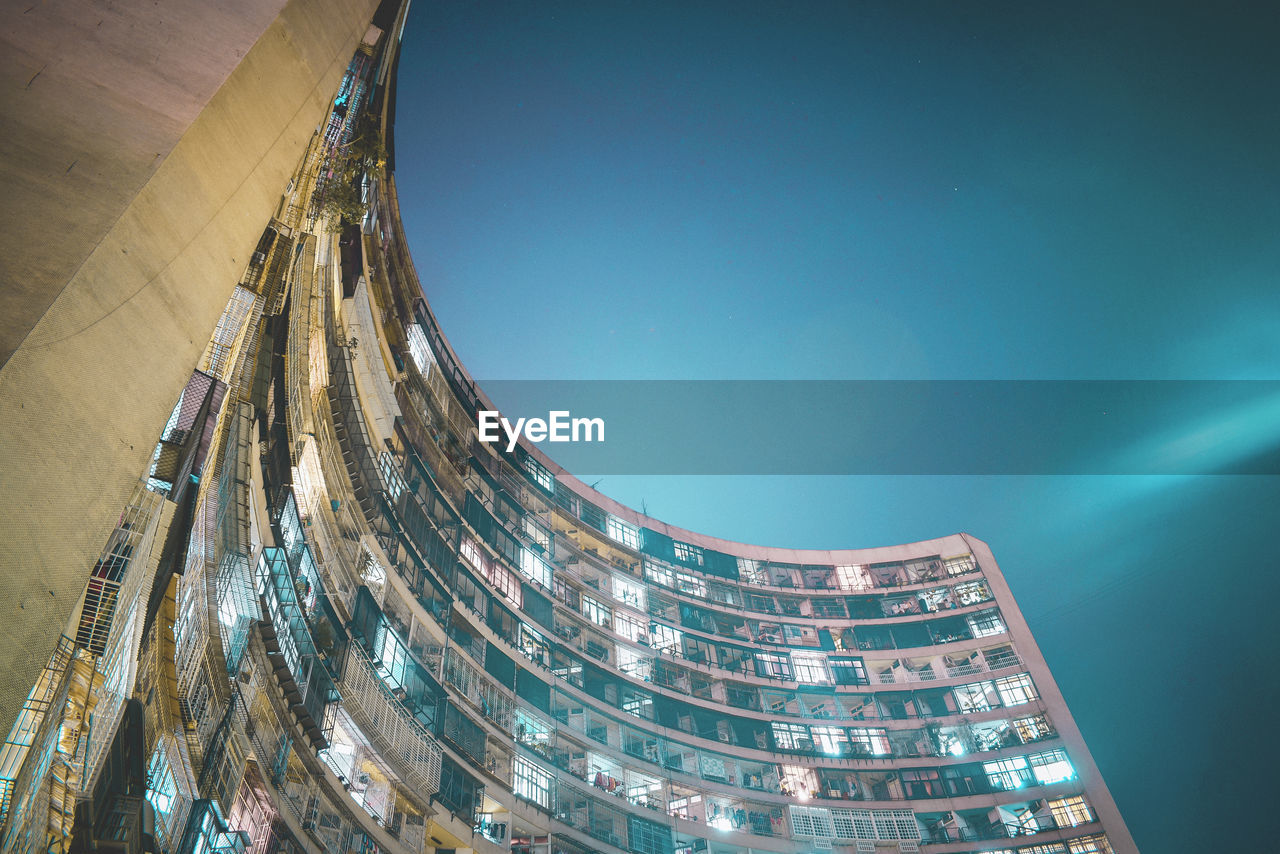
[597,612]
[832,740]
[506,583]
[848,671]
[1070,811]
[162,791]
[629,592]
[854,824]
[687,554]
[690,585]
[750,571]
[626,534]
[538,472]
[535,568]
[1011,773]
[772,665]
[648,837]
[665,638]
[829,608]
[854,578]
[634,664]
[973,592]
[533,644]
[531,729]
[1095,844]
[812,822]
[631,627]
[472,554]
[537,534]
[530,782]
[872,741]
[1052,766]
[419,350]
[811,669]
[788,736]
[660,574]
[922,783]
[391,476]
[960,565]
[803,635]
[986,623]
[1016,690]
[974,697]
[685,808]
[1033,728]
[896,824]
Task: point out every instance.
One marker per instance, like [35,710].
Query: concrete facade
[144,148]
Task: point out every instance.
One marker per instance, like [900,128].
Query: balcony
[296,661]
[400,738]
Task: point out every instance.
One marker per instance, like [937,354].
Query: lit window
[539,473]
[631,626]
[660,574]
[854,578]
[1052,766]
[986,623]
[788,736]
[685,808]
[750,571]
[530,782]
[162,791]
[634,664]
[811,669]
[535,568]
[626,534]
[1011,773]
[391,475]
[813,822]
[772,665]
[870,741]
[1016,690]
[537,533]
[960,565]
[688,554]
[419,350]
[629,592]
[832,740]
[1095,844]
[973,592]
[471,553]
[1033,728]
[505,582]
[974,697]
[1071,811]
[691,585]
[533,644]
[665,638]
[597,612]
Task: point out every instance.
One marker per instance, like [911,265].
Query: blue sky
[941,191]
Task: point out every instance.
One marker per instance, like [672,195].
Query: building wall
[145,147]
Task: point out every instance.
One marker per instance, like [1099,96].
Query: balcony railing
[400,738]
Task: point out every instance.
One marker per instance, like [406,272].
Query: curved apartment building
[327,618]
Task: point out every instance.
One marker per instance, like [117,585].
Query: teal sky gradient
[905,191]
